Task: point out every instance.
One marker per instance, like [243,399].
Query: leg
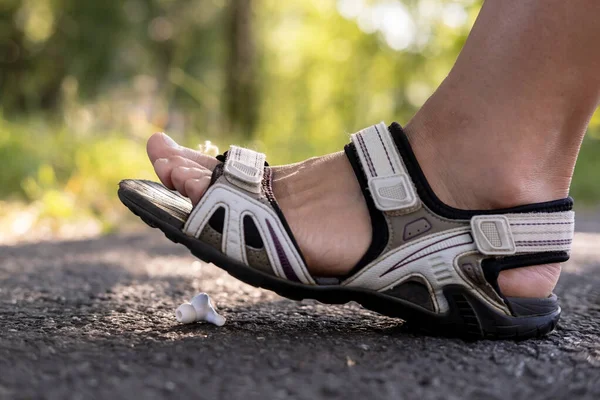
[503,129]
[513,111]
[515,106]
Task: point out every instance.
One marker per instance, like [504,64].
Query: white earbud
[199,309]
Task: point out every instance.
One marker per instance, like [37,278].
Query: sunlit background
[83,84]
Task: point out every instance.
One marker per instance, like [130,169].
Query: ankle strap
[510,234]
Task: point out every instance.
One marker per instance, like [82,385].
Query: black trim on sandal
[267,184]
[430,199]
[379,227]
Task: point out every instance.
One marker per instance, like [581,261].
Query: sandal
[434,266]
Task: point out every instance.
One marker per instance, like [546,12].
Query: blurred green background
[83,84]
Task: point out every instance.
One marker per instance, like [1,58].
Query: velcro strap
[523,233]
[389,183]
[245,168]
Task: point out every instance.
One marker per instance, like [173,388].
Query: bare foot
[325,209]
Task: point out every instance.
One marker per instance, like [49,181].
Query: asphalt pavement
[95,319]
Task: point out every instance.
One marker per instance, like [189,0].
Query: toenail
[161,161]
[170,142]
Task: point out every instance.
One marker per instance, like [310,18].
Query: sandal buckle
[393,193]
[493,235]
[244,168]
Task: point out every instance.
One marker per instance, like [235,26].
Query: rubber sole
[467,318]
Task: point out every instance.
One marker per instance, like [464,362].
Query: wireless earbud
[199,309]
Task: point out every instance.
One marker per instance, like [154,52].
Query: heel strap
[510,234]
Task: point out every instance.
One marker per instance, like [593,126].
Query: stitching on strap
[385,149]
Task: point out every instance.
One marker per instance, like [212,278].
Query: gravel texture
[95,319]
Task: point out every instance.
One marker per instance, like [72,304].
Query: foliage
[84,83]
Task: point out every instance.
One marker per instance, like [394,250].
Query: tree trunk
[242,87]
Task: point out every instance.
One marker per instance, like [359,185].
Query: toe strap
[244,168]
[239,206]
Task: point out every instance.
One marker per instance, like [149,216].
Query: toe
[164,168]
[180,175]
[161,145]
[195,188]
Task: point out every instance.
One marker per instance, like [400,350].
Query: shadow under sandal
[434,266]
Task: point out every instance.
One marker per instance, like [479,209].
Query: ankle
[468,170]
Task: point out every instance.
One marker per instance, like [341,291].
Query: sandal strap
[243,192]
[244,168]
[510,234]
[390,184]
[506,233]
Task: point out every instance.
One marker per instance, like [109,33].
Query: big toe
[161,145]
